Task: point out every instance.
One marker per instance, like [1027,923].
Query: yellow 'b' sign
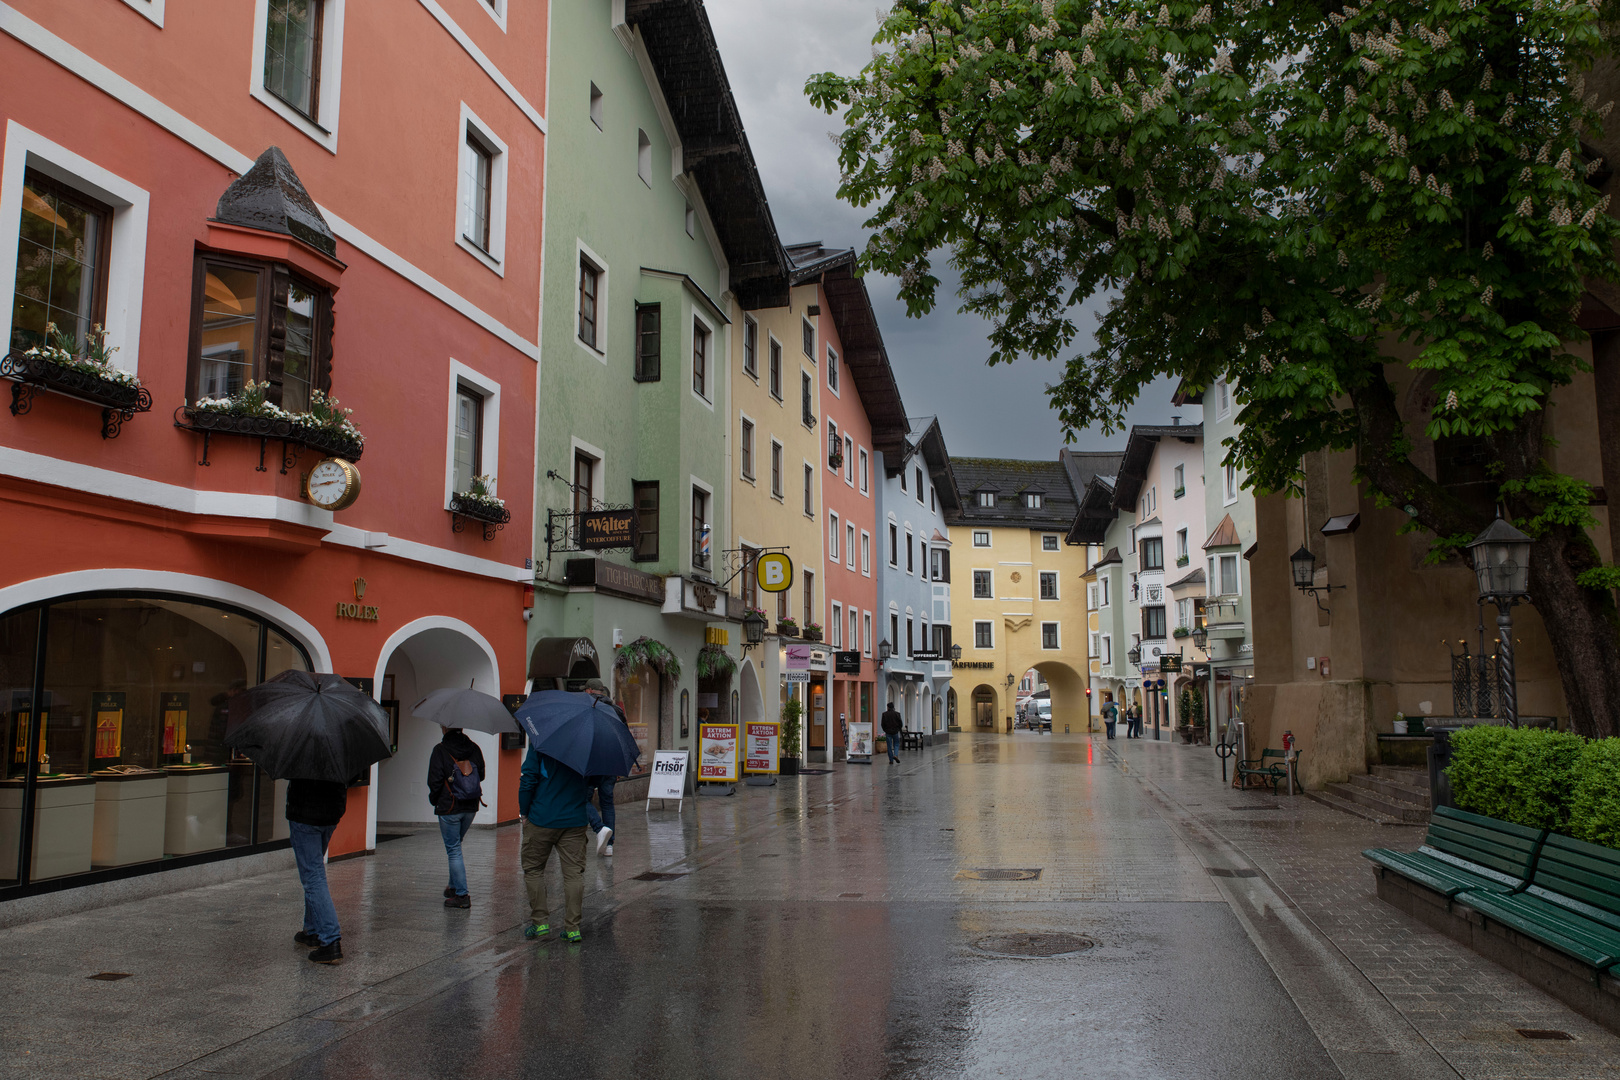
[774,571]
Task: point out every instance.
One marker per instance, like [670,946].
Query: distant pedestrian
[603,820]
[552,799]
[892,725]
[455,782]
[1136,720]
[1110,715]
[314,808]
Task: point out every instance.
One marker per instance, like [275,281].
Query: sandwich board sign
[668,777]
[764,741]
[717,762]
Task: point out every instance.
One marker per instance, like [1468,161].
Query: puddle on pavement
[1033,946]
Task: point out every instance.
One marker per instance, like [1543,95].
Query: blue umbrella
[581,731]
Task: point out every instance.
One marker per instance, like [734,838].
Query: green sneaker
[572,937]
[537,931]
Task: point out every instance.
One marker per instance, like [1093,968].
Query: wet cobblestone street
[835,925]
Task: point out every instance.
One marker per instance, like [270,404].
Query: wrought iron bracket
[738,559]
[118,403]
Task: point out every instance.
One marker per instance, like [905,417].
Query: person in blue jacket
[552,798]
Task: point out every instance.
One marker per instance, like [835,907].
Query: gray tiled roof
[1010,478]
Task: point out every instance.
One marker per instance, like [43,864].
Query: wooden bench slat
[1444,878]
[1535,917]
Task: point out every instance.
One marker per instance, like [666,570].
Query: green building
[657,231]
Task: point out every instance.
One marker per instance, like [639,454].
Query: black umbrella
[311,726]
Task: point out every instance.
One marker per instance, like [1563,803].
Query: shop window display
[137,696]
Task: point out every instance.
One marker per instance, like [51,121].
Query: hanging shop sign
[1200,671]
[717,753]
[763,745]
[847,663]
[860,741]
[668,777]
[601,529]
[1171,662]
[819,660]
[927,655]
[774,571]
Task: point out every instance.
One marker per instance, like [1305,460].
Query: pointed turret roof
[270,196]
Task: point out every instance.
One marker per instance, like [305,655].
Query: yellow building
[1018,594]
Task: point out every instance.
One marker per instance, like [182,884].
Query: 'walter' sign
[599,529]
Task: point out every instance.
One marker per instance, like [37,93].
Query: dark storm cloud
[770,47]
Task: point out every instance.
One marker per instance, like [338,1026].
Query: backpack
[462,783]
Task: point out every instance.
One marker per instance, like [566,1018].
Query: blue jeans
[452,827]
[894,748]
[603,785]
[309,849]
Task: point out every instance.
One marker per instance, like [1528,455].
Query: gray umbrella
[311,726]
[471,710]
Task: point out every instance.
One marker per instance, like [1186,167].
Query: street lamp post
[1501,556]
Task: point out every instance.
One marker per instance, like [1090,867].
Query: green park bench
[1262,768]
[1572,903]
[1465,851]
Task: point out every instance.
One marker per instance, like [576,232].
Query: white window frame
[833,435]
[849,460]
[126,262]
[985,499]
[1237,572]
[866,553]
[1180,481]
[973,582]
[833,374]
[837,626]
[1229,484]
[495,257]
[894,545]
[1182,551]
[866,632]
[152,9]
[778,468]
[1057,544]
[919,483]
[809,489]
[714,532]
[749,322]
[773,351]
[598,352]
[1032,500]
[978,533]
[325,132]
[849,544]
[834,537]
[1223,399]
[751,459]
[810,353]
[710,372]
[1057,588]
[1108,649]
[1057,631]
[1091,597]
[490,443]
[495,9]
[598,456]
[911,552]
[644,157]
[1105,593]
[1096,645]
[990,623]
[866,473]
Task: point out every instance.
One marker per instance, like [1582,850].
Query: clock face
[332,483]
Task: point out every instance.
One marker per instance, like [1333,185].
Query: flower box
[487,509]
[1180,632]
[787,628]
[812,633]
[119,394]
[1182,560]
[328,442]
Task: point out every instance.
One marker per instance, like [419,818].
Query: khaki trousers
[570,845]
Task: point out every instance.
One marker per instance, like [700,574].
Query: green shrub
[1522,775]
[1594,799]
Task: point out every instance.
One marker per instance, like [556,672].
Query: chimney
[1175,421]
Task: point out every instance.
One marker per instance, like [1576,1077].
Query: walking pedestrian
[1110,714]
[552,799]
[314,808]
[1136,720]
[892,725]
[603,820]
[455,788]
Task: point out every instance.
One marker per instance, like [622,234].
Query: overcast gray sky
[770,47]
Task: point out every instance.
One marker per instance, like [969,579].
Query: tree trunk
[1581,624]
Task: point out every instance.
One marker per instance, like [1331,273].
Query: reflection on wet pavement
[831,926]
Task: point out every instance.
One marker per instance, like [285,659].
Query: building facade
[253,251]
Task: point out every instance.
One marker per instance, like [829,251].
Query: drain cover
[1033,945]
[850,895]
[994,874]
[1221,871]
[1544,1033]
[814,772]
[1256,806]
[110,976]
[653,875]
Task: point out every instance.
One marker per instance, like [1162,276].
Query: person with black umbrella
[455,778]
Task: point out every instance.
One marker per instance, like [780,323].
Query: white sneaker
[602,839]
[609,851]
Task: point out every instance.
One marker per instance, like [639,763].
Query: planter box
[812,635]
[787,629]
[493,518]
[265,428]
[30,374]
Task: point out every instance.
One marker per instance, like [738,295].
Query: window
[644,157]
[933,504]
[808,331]
[941,568]
[750,579]
[292,54]
[866,552]
[983,635]
[849,545]
[1032,500]
[782,608]
[63,248]
[1153,622]
[750,347]
[849,461]
[748,450]
[590,280]
[1181,480]
[894,633]
[691,223]
[1231,484]
[865,481]
[468,457]
[911,632]
[596,107]
[832,370]
[981,538]
[1049,542]
[1103,592]
[982,585]
[1223,401]
[1150,553]
[700,528]
[1107,649]
[776,369]
[809,598]
[918,474]
[903,480]
[776,468]
[835,630]
[1049,585]
[809,491]
[894,545]
[832,537]
[644,493]
[584,481]
[911,566]
[1230,586]
[854,640]
[866,632]
[234,344]
[986,499]
[1096,645]
[808,394]
[1049,635]
[1181,547]
[835,446]
[1091,603]
[700,359]
[649,343]
[478,162]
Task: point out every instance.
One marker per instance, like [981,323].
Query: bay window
[237,303]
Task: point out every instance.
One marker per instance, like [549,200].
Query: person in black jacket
[314,808]
[892,725]
[455,786]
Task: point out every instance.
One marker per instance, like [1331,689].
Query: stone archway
[1070,708]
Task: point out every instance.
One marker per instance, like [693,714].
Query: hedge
[1544,779]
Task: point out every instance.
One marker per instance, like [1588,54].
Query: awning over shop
[564,658]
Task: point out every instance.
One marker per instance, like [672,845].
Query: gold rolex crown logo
[359,588]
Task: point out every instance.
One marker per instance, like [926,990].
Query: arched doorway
[753,700]
[1070,709]
[427,655]
[984,708]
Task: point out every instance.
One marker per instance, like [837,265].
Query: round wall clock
[333,484]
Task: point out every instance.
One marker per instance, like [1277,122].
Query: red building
[266,205]
[861,414]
